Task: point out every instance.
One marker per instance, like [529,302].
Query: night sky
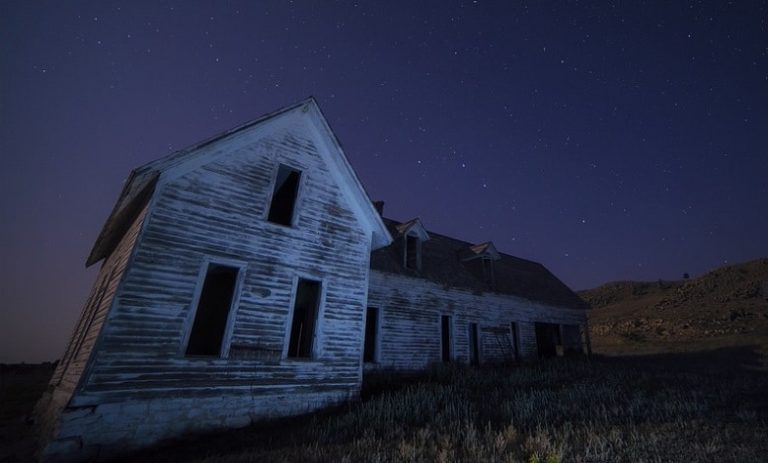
[606,141]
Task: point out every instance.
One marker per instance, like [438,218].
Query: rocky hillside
[723,307]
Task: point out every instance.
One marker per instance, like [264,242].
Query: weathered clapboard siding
[81,349]
[409,332]
[218,211]
[140,386]
[72,365]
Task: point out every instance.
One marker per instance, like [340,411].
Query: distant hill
[727,306]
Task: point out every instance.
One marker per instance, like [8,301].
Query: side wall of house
[72,365]
[410,327]
[143,388]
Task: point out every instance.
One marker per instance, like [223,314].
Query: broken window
[371,328]
[474,345]
[284,195]
[213,310]
[412,252]
[304,322]
[445,337]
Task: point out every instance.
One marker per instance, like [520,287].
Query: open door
[547,339]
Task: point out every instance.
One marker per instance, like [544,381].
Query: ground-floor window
[301,344]
[514,341]
[474,345]
[446,338]
[370,353]
[213,310]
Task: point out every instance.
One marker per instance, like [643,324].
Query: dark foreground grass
[641,409]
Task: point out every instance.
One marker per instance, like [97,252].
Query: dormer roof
[413,227]
[477,251]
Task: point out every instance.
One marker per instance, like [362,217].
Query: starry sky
[606,140]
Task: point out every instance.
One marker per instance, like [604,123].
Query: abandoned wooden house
[250,276]
[432,298]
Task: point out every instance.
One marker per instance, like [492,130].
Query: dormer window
[412,252]
[284,195]
[413,235]
[480,260]
[488,270]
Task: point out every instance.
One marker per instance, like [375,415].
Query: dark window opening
[213,311]
[304,319]
[488,270]
[474,345]
[371,326]
[548,339]
[412,252]
[515,342]
[571,340]
[445,332]
[284,196]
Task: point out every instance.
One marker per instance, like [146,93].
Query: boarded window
[284,195]
[371,328]
[304,319]
[412,251]
[213,310]
[445,337]
[474,345]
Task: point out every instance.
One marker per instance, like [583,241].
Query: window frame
[414,236]
[377,334]
[478,339]
[514,330]
[226,339]
[316,351]
[488,271]
[451,337]
[271,193]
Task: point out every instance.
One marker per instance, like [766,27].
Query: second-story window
[412,257]
[284,196]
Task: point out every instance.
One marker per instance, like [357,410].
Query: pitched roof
[141,183]
[441,263]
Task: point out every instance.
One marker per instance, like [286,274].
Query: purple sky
[607,142]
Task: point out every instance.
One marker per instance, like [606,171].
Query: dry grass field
[644,408]
[695,406]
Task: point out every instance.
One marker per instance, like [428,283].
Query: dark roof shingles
[441,264]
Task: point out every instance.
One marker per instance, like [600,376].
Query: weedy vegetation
[566,410]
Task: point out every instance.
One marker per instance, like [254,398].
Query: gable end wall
[142,388]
